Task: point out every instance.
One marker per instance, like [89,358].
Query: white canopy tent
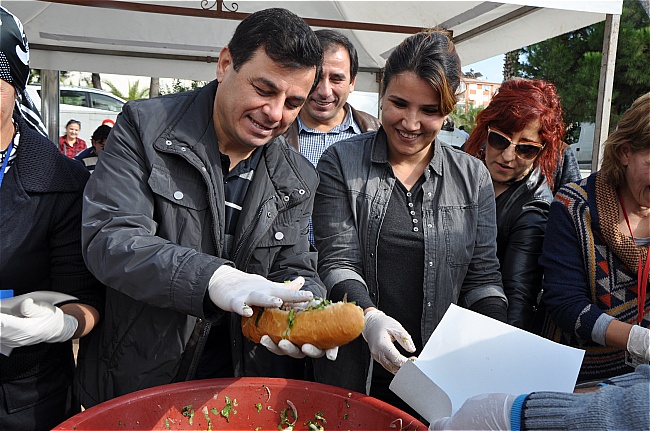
[182,39]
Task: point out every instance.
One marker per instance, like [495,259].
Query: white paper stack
[470,354]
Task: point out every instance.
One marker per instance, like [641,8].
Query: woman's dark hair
[285,37]
[517,103]
[73,122]
[431,56]
[633,130]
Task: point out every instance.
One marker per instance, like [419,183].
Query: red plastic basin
[260,404]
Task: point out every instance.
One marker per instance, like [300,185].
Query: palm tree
[466,117]
[134,92]
[509,61]
[154,87]
[96,80]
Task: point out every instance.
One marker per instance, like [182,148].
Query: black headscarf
[14,66]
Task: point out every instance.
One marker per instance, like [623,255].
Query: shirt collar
[380,152]
[347,123]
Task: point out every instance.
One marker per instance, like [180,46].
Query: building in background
[476,92]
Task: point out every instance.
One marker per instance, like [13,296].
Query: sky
[492,68]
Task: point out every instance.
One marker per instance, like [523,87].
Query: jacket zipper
[248,233]
[198,352]
[205,330]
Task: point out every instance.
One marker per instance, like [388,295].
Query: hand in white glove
[480,412]
[638,342]
[41,322]
[286,347]
[381,331]
[236,291]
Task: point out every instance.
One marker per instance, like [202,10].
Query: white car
[90,106]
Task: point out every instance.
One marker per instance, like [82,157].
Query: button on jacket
[153,231]
[459,233]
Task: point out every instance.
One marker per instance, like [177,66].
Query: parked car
[90,106]
[584,146]
[449,134]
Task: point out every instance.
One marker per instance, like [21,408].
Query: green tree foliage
[572,62]
[466,116]
[134,91]
[180,86]
[35,76]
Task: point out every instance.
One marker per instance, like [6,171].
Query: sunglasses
[500,141]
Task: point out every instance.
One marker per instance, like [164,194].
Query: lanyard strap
[5,162]
[642,270]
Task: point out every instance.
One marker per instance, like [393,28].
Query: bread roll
[325,326]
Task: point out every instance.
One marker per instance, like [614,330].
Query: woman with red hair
[519,137]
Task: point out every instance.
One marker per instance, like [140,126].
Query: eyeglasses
[500,141]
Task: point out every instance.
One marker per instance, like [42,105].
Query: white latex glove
[41,322]
[380,332]
[236,291]
[638,342]
[480,412]
[286,347]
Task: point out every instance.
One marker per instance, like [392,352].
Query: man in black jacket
[197,211]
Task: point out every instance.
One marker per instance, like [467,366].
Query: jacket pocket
[280,235]
[459,225]
[180,206]
[47,388]
[185,191]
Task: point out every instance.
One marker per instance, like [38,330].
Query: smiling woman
[596,256]
[71,144]
[403,223]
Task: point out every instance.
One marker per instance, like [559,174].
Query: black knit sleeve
[355,290]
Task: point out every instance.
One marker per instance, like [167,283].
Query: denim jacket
[459,222]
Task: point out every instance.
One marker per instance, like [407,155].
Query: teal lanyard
[5,162]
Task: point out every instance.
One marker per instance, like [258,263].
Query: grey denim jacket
[459,219]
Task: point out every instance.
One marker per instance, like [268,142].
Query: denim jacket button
[178,195]
[279,235]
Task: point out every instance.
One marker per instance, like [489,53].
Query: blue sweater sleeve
[609,408]
[566,288]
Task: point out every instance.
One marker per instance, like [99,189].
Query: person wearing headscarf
[40,250]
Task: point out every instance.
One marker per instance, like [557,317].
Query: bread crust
[326,327]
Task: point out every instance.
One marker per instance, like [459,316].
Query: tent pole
[50,103]
[605,88]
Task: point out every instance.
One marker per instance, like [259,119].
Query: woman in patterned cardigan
[595,255]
